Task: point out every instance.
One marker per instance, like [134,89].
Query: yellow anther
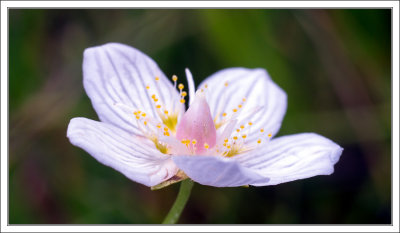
[244,136]
[206,146]
[137,117]
[226,140]
[165,128]
[158,106]
[250,123]
[166,133]
[194,141]
[224,114]
[180,86]
[228,146]
[174,78]
[138,112]
[224,144]
[147,87]
[238,130]
[244,99]
[155,100]
[269,135]
[259,141]
[166,112]
[183,141]
[182,101]
[235,138]
[135,113]
[153,96]
[157,78]
[262,130]
[226,84]
[234,110]
[143,114]
[242,126]
[145,122]
[159,126]
[184,93]
[205,86]
[239,106]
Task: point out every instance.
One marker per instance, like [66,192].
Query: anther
[205,86]
[165,128]
[180,86]
[226,140]
[182,101]
[242,126]
[166,112]
[147,87]
[184,93]
[244,136]
[262,130]
[238,130]
[194,141]
[143,114]
[259,141]
[239,106]
[234,110]
[157,78]
[153,96]
[226,84]
[269,135]
[250,123]
[244,99]
[174,78]
[224,114]
[235,138]
[206,146]
[145,122]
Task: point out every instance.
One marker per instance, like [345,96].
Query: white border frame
[198,4]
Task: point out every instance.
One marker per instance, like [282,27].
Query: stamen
[239,106]
[147,87]
[184,93]
[242,126]
[174,78]
[206,146]
[166,112]
[244,136]
[180,86]
[182,101]
[226,84]
[250,123]
[224,114]
[158,106]
[259,141]
[234,110]
[269,135]
[235,138]
[157,78]
[262,130]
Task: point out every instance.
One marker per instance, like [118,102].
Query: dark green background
[335,66]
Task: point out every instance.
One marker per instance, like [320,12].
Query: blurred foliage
[335,66]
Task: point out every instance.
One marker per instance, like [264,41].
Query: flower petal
[116,73]
[227,88]
[216,170]
[132,156]
[293,157]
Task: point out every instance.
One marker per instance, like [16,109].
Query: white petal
[293,157]
[190,81]
[132,156]
[259,90]
[116,73]
[216,171]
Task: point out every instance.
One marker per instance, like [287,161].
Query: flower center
[196,132]
[197,126]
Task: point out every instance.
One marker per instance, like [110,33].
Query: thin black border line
[133,225]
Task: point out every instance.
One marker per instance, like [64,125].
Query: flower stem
[180,202]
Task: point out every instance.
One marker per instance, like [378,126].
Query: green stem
[180,202]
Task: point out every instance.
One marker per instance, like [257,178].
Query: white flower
[224,139]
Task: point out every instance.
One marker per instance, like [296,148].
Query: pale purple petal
[133,156]
[116,73]
[216,170]
[265,104]
[293,157]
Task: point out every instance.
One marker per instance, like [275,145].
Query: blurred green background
[335,66]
